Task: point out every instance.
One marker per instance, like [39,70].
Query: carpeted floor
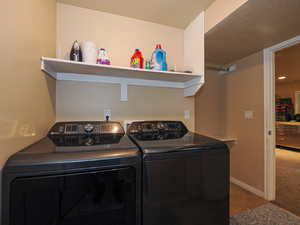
[267,214]
[288,180]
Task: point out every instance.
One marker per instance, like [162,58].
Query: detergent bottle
[159,59]
[103,57]
[137,60]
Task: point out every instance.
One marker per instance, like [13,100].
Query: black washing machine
[81,173]
[185,175]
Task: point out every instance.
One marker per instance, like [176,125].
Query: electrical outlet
[187,114]
[107,113]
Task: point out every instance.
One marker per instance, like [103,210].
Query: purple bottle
[103,57]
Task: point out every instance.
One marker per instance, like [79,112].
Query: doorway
[297,102]
[281,105]
[287,151]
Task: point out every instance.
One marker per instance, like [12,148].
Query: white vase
[89,52]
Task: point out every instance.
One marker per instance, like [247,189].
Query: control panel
[157,130]
[156,127]
[86,128]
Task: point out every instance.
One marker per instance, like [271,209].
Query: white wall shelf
[78,71]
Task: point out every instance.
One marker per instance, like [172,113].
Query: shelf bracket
[124,91]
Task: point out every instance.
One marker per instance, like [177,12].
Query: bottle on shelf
[148,65]
[137,60]
[89,52]
[103,57]
[159,59]
[76,54]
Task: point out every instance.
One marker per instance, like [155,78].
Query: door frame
[269,114]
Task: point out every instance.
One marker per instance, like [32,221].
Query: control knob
[89,128]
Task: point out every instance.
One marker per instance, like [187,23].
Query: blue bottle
[159,59]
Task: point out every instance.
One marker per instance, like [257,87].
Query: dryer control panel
[157,130]
[86,128]
[156,127]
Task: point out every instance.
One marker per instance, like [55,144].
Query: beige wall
[87,101]
[120,36]
[220,107]
[245,91]
[219,10]
[27,106]
[194,45]
[210,106]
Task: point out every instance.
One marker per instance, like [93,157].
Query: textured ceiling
[174,13]
[256,25]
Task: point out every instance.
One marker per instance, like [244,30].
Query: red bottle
[137,60]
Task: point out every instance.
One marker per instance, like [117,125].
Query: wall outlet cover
[249,115]
[187,114]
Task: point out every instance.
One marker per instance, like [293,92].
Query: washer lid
[58,152]
[177,143]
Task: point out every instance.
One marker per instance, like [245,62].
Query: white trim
[45,68]
[285,44]
[247,187]
[269,126]
[192,90]
[269,114]
[191,87]
[193,82]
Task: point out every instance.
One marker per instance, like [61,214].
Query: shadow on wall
[210,107]
[51,86]
[220,108]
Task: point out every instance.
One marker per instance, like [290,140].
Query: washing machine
[185,176]
[81,173]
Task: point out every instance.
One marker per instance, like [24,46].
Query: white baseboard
[247,187]
[1,194]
